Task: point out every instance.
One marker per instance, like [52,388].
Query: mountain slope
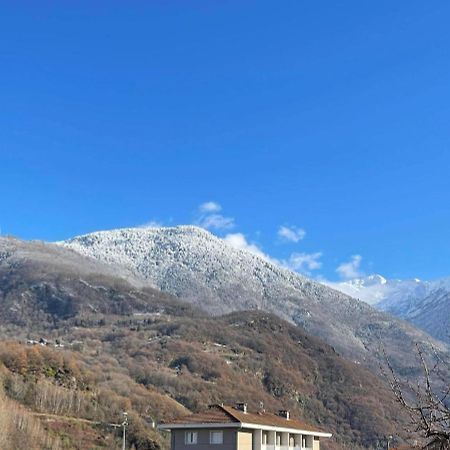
[431,312]
[425,304]
[139,349]
[42,284]
[202,269]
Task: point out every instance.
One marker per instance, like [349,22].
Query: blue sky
[326,117]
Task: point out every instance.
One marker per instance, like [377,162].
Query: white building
[236,428]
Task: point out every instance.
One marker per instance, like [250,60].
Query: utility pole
[124,427]
[389,439]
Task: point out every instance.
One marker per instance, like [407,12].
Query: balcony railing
[283,447]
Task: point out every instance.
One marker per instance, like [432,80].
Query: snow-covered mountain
[377,290]
[426,304]
[203,269]
[185,357]
[191,263]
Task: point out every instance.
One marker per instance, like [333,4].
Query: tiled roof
[215,414]
[229,414]
[269,419]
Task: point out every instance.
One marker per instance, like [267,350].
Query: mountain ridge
[155,355]
[200,268]
[425,304]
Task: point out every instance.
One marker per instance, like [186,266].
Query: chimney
[241,407]
[284,413]
[215,405]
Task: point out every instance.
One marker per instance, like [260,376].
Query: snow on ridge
[423,303]
[139,248]
[193,264]
[189,261]
[384,293]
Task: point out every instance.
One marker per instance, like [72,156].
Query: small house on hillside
[236,428]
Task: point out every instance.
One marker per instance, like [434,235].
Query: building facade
[235,428]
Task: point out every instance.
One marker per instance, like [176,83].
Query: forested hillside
[160,366]
[110,346]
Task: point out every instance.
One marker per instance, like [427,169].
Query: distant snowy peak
[370,280]
[371,289]
[377,290]
[443,283]
[426,304]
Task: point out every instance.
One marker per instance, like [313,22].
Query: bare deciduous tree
[427,401]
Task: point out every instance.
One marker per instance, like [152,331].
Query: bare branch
[428,409]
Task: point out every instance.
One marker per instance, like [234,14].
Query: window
[265,437]
[190,437]
[216,437]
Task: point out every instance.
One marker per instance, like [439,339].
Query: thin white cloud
[210,207]
[240,242]
[350,269]
[215,222]
[152,224]
[210,219]
[291,233]
[298,262]
[304,262]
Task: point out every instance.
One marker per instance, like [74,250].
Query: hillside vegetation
[20,429]
[159,367]
[115,346]
[202,269]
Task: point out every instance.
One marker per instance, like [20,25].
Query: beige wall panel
[245,440]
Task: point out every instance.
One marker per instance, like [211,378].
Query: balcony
[282,447]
